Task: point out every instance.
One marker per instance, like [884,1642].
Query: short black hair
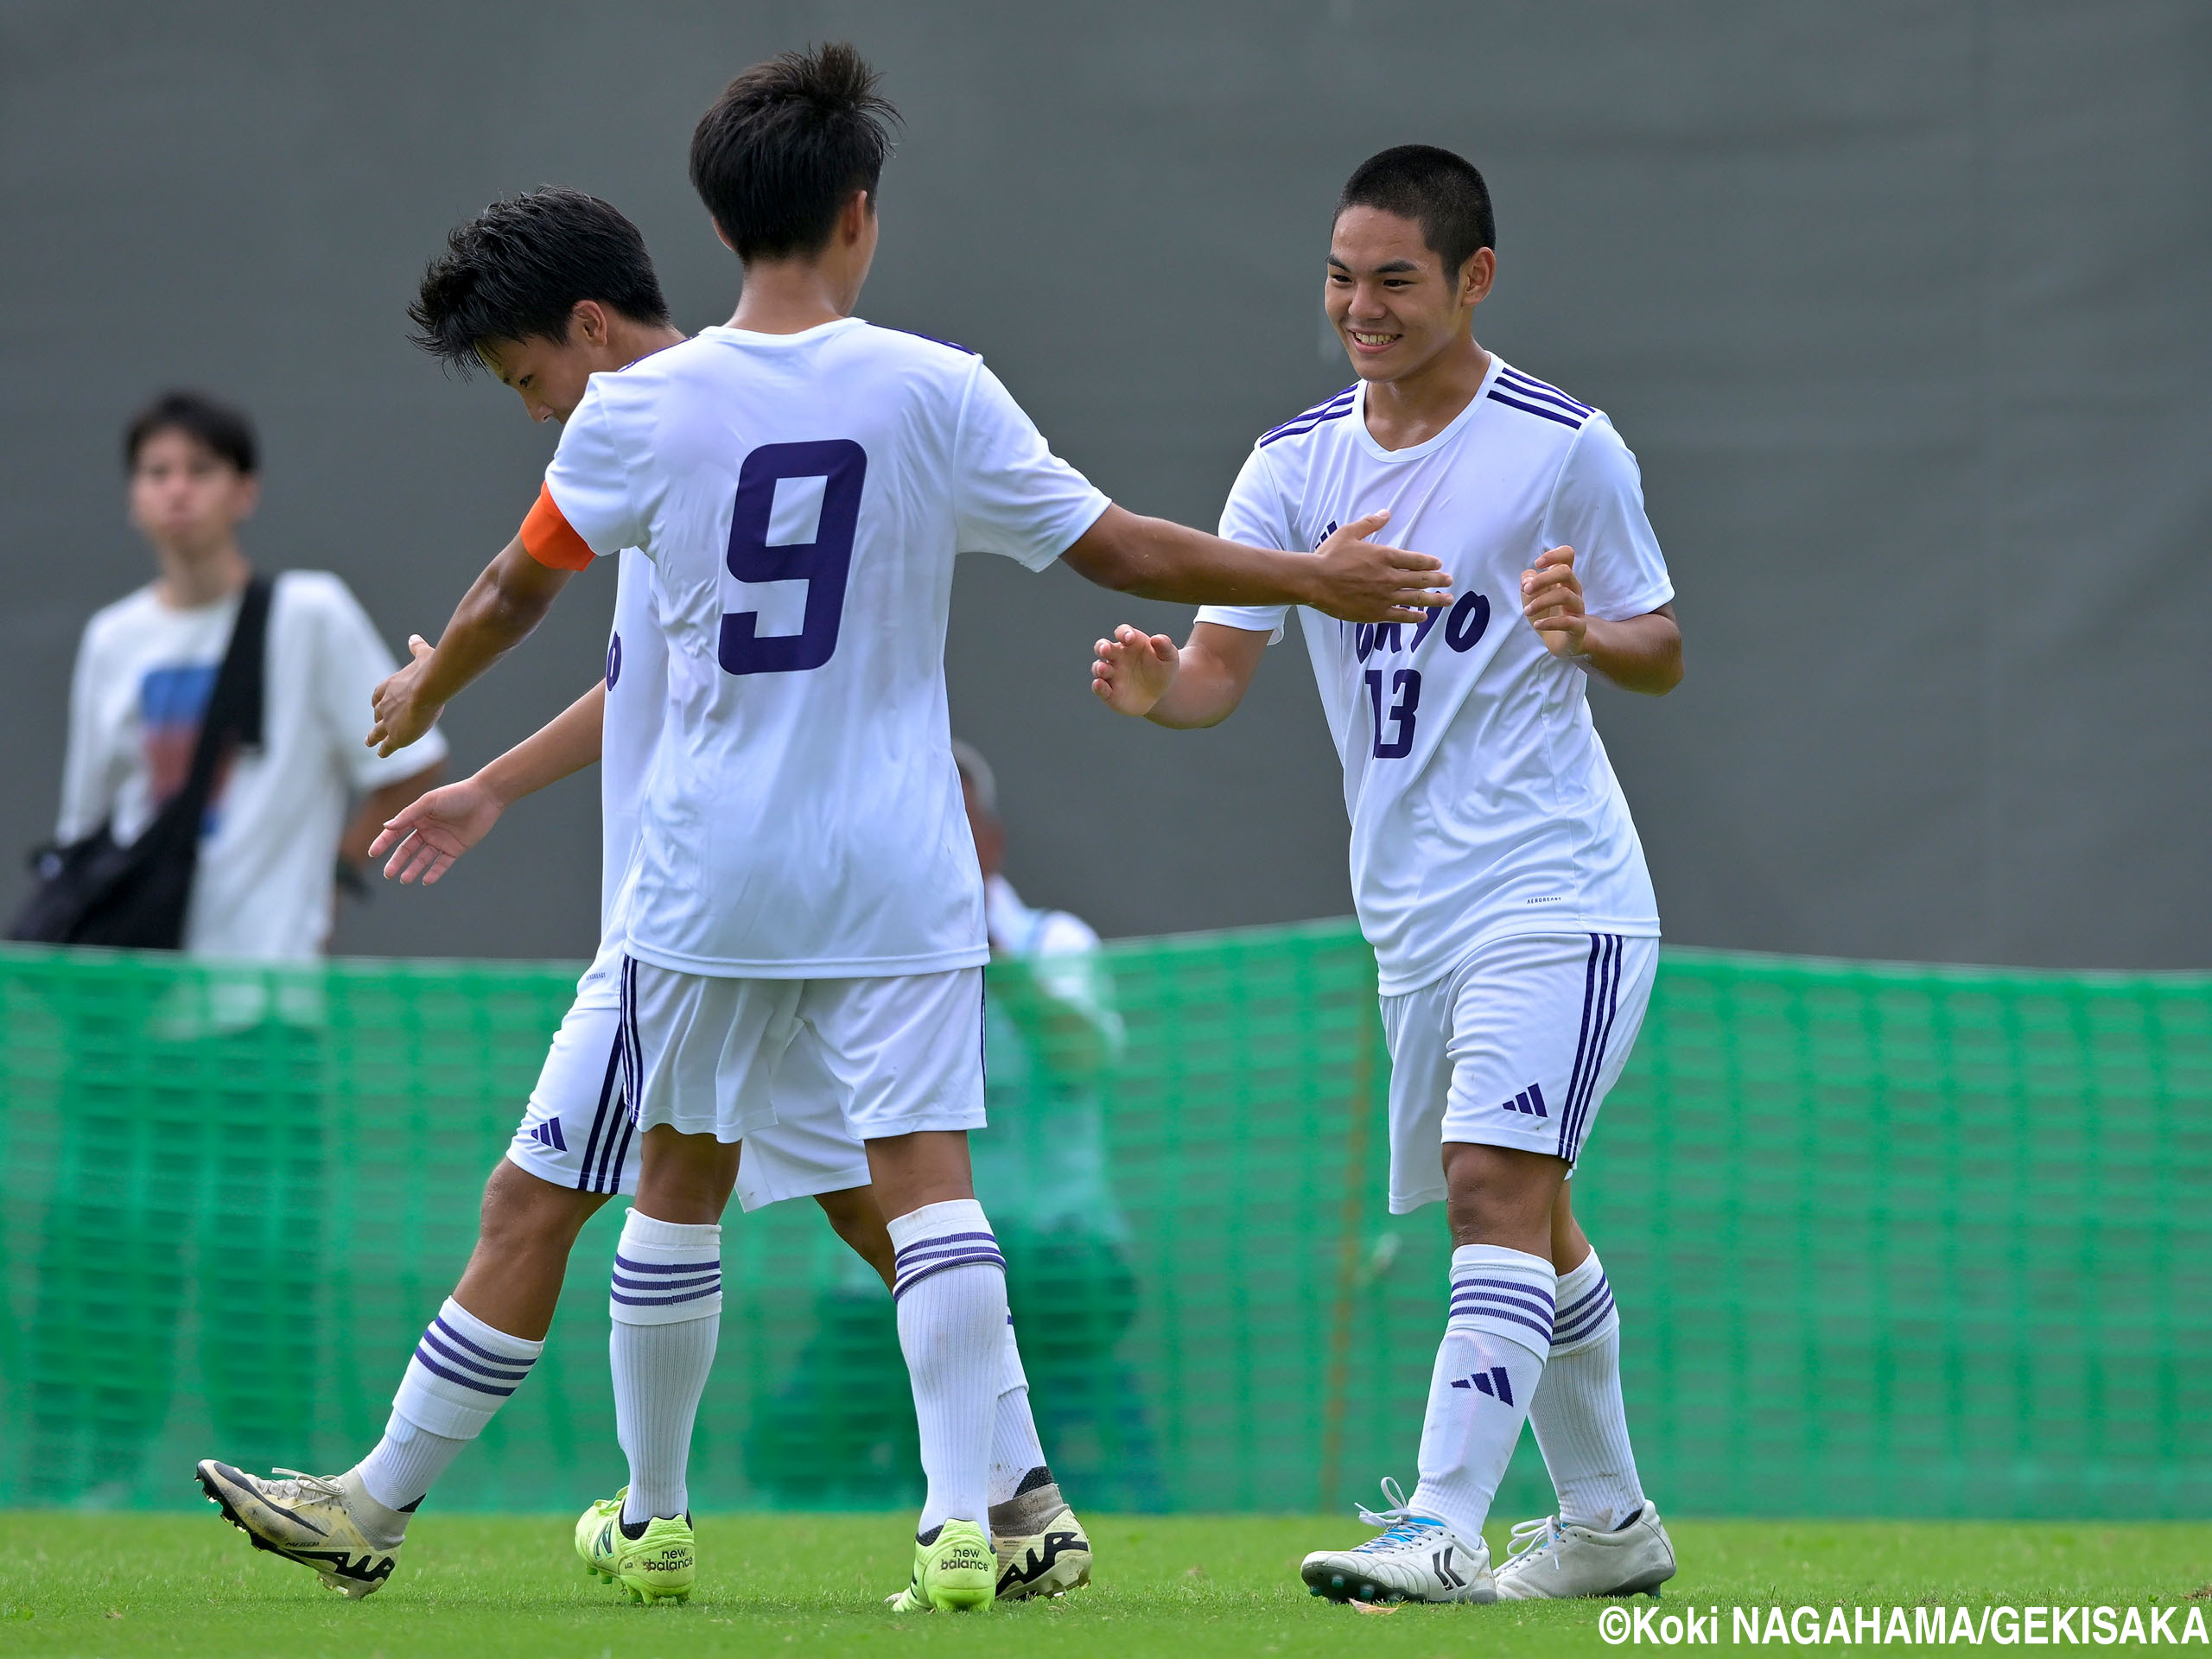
[520,267]
[1444,192]
[224,429]
[784,148]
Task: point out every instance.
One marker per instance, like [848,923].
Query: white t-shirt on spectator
[263,888]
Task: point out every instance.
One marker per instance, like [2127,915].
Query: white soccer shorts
[860,1058]
[577,1131]
[1516,1046]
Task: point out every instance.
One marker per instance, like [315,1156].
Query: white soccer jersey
[637,690]
[1482,803]
[802,497]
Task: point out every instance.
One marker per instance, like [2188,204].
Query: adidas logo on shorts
[1529,1100]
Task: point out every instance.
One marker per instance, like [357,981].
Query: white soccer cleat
[1413,1558]
[304,1518]
[1549,1561]
[1049,1556]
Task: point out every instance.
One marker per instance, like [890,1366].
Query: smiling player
[1497,871]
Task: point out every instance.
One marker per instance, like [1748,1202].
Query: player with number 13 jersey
[1481,799]
[1495,869]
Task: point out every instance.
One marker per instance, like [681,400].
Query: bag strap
[235,706]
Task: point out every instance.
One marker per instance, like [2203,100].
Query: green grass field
[1187,1587]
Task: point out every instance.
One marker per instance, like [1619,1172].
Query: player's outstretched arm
[426,836]
[1639,653]
[493,617]
[1347,576]
[1137,673]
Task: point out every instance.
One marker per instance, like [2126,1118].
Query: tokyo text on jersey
[1482,801]
[637,690]
[802,497]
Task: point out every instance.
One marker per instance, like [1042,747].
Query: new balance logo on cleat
[1493,1383]
[1529,1101]
[547,1135]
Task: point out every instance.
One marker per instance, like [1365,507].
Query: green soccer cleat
[659,1565]
[304,1518]
[596,1531]
[954,1572]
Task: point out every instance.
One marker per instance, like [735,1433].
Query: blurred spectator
[278,821]
[200,1104]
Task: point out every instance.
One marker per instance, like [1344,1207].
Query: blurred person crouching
[1052,1039]
[209,794]
[1043,1171]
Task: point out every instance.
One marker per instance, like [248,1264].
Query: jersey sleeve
[1597,509]
[1254,515]
[585,506]
[1012,495]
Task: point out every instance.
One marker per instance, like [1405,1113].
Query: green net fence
[1886,1240]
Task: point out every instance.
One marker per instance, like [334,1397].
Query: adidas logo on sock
[1529,1101]
[1493,1383]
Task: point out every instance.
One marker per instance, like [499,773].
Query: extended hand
[1551,598]
[1133,670]
[400,719]
[1360,581]
[435,830]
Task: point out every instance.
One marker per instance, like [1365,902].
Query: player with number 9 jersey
[803,498]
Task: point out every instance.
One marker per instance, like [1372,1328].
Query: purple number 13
[822,563]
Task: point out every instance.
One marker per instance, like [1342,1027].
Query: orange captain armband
[550,539]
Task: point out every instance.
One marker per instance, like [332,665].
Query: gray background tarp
[1902,307]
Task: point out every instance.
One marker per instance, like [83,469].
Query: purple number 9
[822,563]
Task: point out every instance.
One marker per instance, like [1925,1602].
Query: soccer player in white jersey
[547,289]
[801,481]
[1497,872]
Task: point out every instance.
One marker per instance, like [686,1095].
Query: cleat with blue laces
[1415,1558]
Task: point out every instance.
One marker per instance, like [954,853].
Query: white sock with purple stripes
[665,1297]
[950,1289]
[1577,1414]
[1487,1370]
[463,1371]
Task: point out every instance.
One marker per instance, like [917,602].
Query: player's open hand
[1360,581]
[1551,598]
[401,716]
[425,837]
[1132,671]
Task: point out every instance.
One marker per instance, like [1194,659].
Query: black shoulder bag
[93,892]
